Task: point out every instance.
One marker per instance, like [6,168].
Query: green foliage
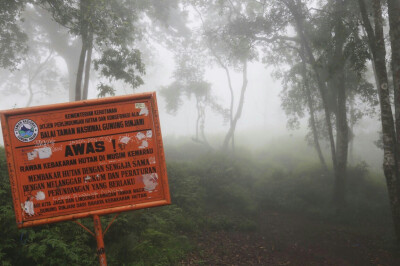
[159,236]
[186,189]
[109,27]
[189,78]
[220,222]
[8,245]
[172,96]
[148,237]
[211,192]
[12,38]
[157,248]
[105,90]
[368,199]
[121,64]
[66,242]
[306,190]
[227,182]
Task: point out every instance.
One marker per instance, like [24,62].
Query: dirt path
[291,239]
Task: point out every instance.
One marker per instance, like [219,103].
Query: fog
[262,110]
[262,123]
[280,123]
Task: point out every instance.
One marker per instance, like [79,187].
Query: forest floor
[284,238]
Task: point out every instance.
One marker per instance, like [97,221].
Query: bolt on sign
[74,160]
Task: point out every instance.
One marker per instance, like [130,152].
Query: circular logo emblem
[26,130]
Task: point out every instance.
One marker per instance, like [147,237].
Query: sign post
[85,159]
[100,242]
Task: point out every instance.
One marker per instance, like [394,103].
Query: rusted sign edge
[91,213]
[10,165]
[58,106]
[160,148]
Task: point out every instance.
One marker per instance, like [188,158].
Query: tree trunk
[394,23]
[341,146]
[79,74]
[340,150]
[229,136]
[321,84]
[351,132]
[228,77]
[311,111]
[30,80]
[200,135]
[342,140]
[82,58]
[61,43]
[232,99]
[33,76]
[87,66]
[377,46]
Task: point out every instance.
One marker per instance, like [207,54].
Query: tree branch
[277,38]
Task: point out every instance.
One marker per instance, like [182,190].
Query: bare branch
[278,38]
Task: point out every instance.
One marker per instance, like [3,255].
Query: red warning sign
[94,157]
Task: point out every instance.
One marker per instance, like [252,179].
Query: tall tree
[224,43]
[394,23]
[230,47]
[38,74]
[327,43]
[324,36]
[59,40]
[376,43]
[299,94]
[189,81]
[108,27]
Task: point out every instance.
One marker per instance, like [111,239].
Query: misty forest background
[281,125]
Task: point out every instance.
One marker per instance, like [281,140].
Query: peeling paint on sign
[32,155]
[140,105]
[144,111]
[44,152]
[144,144]
[28,208]
[40,195]
[150,181]
[152,160]
[95,156]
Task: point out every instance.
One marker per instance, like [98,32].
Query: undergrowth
[209,192]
